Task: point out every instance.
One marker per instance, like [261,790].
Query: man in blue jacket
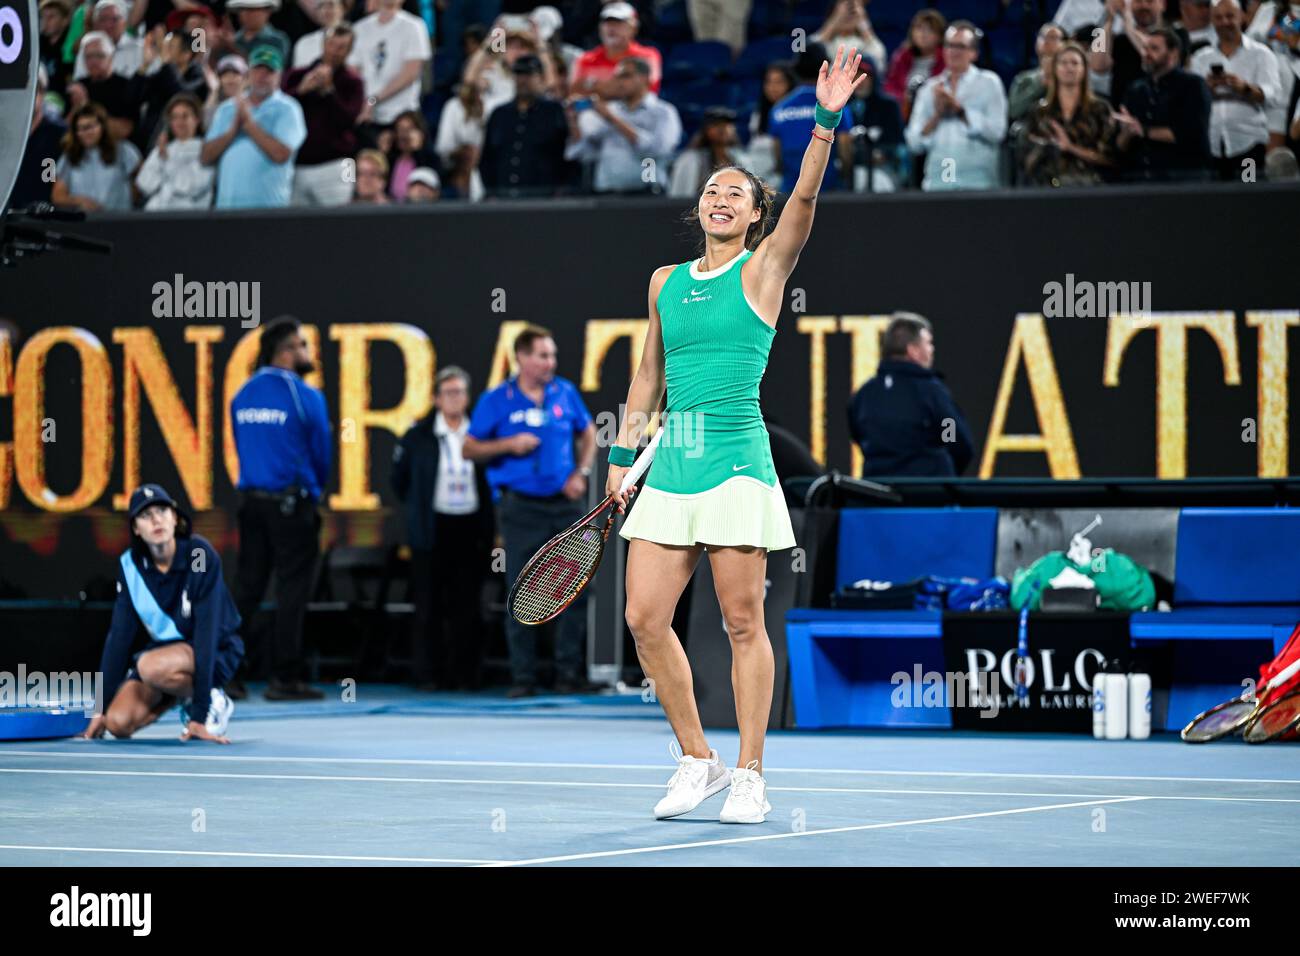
[283,437]
[169,586]
[905,420]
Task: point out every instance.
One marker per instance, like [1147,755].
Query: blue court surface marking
[417,779]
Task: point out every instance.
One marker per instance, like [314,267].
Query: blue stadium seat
[693,61]
[672,24]
[1228,556]
[900,544]
[767,18]
[892,15]
[753,60]
[981,12]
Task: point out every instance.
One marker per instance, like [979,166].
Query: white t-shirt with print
[379,52]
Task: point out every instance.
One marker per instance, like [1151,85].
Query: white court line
[804,833]
[633,766]
[475,781]
[233,853]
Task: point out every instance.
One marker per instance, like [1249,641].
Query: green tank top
[716,349]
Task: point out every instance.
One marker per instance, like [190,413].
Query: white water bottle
[1099,704]
[1115,687]
[1139,706]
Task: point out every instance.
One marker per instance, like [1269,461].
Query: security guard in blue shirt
[524,430]
[172,598]
[283,436]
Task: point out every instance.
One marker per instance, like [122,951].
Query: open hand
[196,731]
[836,82]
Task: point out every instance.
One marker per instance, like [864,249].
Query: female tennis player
[169,583]
[712,486]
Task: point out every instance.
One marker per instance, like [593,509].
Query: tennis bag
[1287,656]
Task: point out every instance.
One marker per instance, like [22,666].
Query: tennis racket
[555,576]
[1275,721]
[1233,715]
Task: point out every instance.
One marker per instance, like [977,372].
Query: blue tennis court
[475,780]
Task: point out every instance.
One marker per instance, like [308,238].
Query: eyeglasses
[958,46]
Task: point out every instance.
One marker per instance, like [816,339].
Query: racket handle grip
[641,464]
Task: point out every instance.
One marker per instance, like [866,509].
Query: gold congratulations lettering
[356,417]
[817,326]
[188,440]
[1273,392]
[1029,342]
[6,391]
[864,348]
[1171,371]
[96,418]
[503,356]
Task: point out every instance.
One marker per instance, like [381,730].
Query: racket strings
[557,575]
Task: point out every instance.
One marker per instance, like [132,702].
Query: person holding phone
[1242,76]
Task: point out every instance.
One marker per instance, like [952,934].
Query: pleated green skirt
[742,511]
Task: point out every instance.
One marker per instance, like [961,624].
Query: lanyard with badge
[459,473]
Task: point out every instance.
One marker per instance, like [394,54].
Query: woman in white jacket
[172,176]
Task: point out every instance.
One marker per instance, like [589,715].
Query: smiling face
[263,81]
[616,34]
[232,81]
[1147,12]
[726,208]
[409,137]
[924,38]
[1226,17]
[89,131]
[1069,68]
[1049,41]
[111,21]
[776,85]
[99,62]
[538,363]
[453,396]
[156,525]
[252,19]
[184,124]
[53,21]
[960,49]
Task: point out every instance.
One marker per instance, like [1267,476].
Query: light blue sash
[158,624]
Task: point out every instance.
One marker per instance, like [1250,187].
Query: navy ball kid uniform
[184,604]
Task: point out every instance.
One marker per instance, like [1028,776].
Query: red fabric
[900,65]
[597,64]
[1288,655]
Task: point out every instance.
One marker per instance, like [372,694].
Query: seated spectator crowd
[170,104]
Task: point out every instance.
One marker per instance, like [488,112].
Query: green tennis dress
[712,480]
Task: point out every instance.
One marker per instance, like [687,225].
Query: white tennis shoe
[747,801]
[219,712]
[694,782]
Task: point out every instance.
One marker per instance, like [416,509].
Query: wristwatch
[372,100]
[585,471]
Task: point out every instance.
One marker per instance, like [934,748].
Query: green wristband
[621,457]
[826,118]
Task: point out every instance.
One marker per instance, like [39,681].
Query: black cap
[150,494]
[528,63]
[718,114]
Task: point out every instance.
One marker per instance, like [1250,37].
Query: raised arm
[778,253]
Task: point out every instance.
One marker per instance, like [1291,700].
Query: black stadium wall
[1109,333]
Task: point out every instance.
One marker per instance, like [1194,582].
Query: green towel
[1122,583]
